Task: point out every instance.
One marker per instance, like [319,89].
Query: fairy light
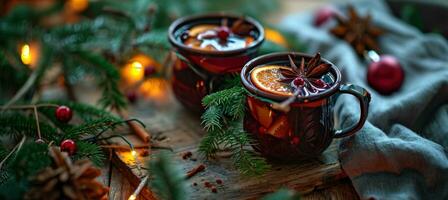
[25,54]
[133,72]
[132,197]
[139,188]
[134,153]
[78,5]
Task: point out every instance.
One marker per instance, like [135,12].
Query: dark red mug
[307,129]
[198,72]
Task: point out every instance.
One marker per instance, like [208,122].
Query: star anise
[305,79]
[307,74]
[357,31]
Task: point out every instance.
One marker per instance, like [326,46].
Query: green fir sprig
[167,181]
[222,120]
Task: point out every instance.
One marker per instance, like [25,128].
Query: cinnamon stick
[195,170]
[136,128]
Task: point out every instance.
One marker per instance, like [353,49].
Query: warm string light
[132,197]
[133,72]
[25,54]
[139,188]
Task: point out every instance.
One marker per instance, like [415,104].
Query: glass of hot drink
[208,48]
[290,104]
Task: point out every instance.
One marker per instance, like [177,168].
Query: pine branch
[112,96]
[223,121]
[209,144]
[14,124]
[167,180]
[211,119]
[91,151]
[90,128]
[31,158]
[155,39]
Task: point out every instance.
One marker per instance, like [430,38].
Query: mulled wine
[308,87]
[209,47]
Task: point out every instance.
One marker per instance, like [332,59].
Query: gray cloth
[401,152]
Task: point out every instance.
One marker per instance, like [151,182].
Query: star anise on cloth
[357,31]
[67,180]
[305,79]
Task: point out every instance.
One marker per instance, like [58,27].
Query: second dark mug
[198,72]
[307,129]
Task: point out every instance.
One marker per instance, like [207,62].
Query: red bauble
[68,146]
[149,70]
[63,114]
[132,96]
[223,32]
[324,14]
[386,75]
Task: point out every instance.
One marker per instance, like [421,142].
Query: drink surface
[213,37]
[275,79]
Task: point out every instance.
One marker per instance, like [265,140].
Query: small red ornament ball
[63,114]
[323,14]
[223,32]
[386,75]
[131,96]
[149,70]
[68,146]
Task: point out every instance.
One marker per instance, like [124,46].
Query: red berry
[299,82]
[214,190]
[219,181]
[207,184]
[68,146]
[131,96]
[320,83]
[63,114]
[324,14]
[295,140]
[223,32]
[385,76]
[262,130]
[149,70]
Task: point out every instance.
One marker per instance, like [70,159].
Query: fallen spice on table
[195,170]
[186,155]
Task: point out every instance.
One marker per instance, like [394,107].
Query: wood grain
[181,130]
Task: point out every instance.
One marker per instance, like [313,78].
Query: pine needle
[167,180]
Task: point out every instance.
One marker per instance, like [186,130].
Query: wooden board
[181,130]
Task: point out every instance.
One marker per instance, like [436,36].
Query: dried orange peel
[267,78]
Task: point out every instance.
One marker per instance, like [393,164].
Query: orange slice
[193,32]
[267,78]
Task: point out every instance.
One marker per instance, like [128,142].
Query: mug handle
[363,97]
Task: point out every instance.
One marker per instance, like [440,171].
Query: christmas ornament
[63,114]
[67,180]
[149,70]
[323,15]
[275,37]
[357,31]
[68,146]
[385,73]
[131,96]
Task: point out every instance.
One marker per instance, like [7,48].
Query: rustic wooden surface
[172,126]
